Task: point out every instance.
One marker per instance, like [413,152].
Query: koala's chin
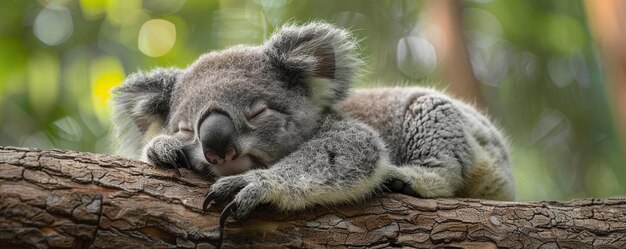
[241,164]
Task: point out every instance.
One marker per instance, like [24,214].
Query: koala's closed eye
[256,111]
[184,129]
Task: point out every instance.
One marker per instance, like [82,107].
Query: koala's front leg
[167,151]
[346,162]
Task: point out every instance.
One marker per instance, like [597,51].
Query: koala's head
[247,106]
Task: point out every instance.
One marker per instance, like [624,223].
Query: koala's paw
[247,191]
[167,152]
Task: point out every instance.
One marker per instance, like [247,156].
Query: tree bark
[56,198]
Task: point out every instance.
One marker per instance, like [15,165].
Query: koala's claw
[180,158]
[229,210]
[169,166]
[180,161]
[167,152]
[243,194]
[208,200]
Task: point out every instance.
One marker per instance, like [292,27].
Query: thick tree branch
[55,198]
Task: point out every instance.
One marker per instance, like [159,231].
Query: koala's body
[277,125]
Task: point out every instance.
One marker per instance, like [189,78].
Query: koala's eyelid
[256,109]
[184,126]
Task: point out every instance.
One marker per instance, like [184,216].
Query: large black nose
[217,135]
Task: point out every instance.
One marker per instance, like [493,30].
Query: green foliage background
[540,72]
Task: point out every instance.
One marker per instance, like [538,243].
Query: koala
[278,124]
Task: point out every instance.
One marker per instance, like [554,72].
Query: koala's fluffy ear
[141,103]
[320,56]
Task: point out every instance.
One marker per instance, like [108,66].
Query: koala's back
[395,114]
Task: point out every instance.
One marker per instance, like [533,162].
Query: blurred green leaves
[564,34]
[42,72]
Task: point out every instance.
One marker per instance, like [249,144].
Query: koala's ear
[144,97]
[320,56]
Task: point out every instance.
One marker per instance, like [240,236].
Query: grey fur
[310,147]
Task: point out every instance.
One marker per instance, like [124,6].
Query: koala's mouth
[241,164]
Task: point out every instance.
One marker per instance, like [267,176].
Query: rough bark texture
[54,198]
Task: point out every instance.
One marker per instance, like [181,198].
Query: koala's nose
[217,136]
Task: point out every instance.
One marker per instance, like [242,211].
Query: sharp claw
[182,155]
[207,200]
[169,166]
[228,211]
[164,165]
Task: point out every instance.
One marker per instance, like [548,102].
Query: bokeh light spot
[483,28]
[156,37]
[92,9]
[129,29]
[105,74]
[53,25]
[415,57]
[560,71]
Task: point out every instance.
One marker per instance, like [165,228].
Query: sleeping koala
[277,124]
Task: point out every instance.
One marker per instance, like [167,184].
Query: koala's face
[248,106]
[236,113]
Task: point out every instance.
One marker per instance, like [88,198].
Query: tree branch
[56,198]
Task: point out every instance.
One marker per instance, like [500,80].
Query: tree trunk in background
[445,17]
[607,19]
[71,199]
